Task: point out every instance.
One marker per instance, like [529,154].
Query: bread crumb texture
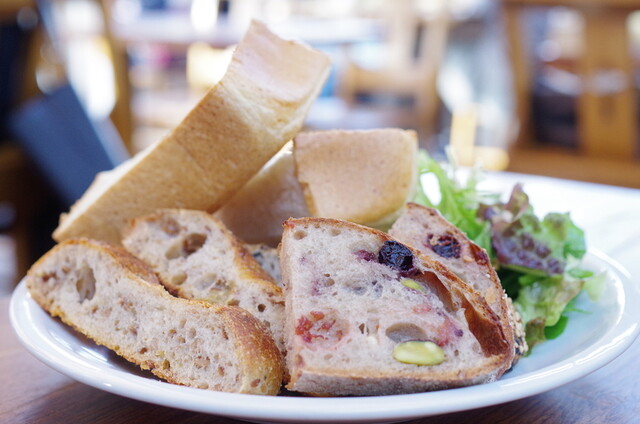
[349,303]
[111,297]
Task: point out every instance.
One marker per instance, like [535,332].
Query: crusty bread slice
[258,106]
[428,231]
[355,297]
[363,176]
[114,298]
[255,214]
[197,257]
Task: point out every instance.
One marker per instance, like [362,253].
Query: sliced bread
[197,257]
[428,231]
[256,212]
[258,106]
[366,315]
[363,176]
[114,299]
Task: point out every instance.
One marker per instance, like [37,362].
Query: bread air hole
[201,362]
[86,284]
[211,282]
[170,226]
[404,331]
[184,248]
[178,279]
[299,235]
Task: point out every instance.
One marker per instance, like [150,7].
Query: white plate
[590,341]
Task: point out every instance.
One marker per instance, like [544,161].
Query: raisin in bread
[363,176]
[258,106]
[114,298]
[366,315]
[197,257]
[428,231]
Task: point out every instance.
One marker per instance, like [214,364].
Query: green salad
[536,258]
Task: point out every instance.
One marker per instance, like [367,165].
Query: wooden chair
[406,72]
[607,109]
[60,36]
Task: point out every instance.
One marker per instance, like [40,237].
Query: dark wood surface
[30,392]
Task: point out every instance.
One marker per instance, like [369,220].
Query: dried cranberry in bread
[114,298]
[197,257]
[428,231]
[259,105]
[366,315]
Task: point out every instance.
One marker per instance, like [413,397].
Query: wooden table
[32,393]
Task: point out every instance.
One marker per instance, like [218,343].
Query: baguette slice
[354,296]
[428,231]
[197,257]
[363,176]
[113,298]
[258,106]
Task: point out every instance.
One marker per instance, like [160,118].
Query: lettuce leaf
[537,260]
[458,203]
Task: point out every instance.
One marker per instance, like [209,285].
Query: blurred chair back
[413,52]
[68,148]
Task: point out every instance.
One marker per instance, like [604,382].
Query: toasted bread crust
[113,298]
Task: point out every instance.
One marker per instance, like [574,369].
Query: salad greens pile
[537,260]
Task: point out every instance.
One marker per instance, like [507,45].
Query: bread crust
[379,379]
[255,213]
[113,298]
[425,228]
[197,257]
[233,131]
[363,176]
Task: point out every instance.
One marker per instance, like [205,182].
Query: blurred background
[536,86]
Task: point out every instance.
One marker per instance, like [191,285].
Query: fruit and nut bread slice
[428,231]
[197,257]
[115,299]
[367,315]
